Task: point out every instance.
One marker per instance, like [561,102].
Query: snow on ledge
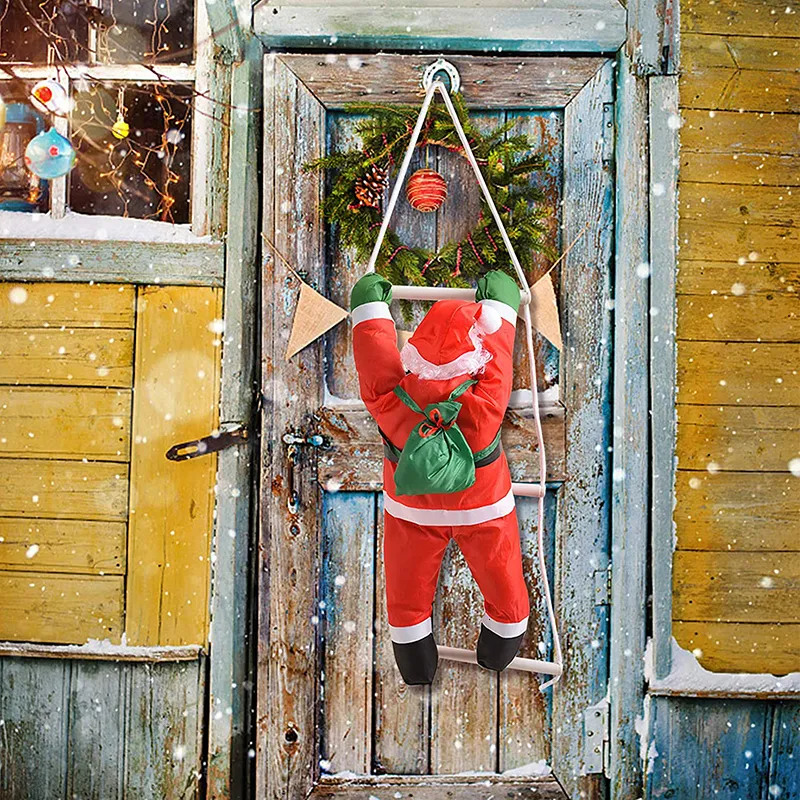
[536,769]
[102,649]
[99,228]
[688,677]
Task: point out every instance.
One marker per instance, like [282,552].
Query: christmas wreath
[354,203]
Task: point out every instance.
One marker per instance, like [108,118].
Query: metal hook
[441,65]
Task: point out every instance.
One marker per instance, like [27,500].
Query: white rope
[525,301]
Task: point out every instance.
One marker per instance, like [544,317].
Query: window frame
[197,74]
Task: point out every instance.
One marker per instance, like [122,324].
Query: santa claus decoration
[439,404]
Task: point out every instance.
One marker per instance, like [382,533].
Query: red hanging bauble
[426,190]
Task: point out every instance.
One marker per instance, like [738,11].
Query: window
[123,82]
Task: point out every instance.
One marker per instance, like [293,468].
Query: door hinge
[608,134]
[596,739]
[602,586]
[232,435]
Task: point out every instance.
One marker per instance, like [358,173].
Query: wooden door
[334,718]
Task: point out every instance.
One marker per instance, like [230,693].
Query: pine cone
[369,189]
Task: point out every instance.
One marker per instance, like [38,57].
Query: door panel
[330,697]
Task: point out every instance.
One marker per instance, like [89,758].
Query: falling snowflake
[18,295]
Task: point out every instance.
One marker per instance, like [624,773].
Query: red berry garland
[426,190]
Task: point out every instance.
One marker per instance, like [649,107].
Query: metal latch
[293,440]
[213,443]
[602,586]
[608,133]
[596,739]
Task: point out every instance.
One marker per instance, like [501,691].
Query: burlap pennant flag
[313,316]
[544,310]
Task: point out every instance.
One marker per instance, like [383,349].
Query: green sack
[436,458]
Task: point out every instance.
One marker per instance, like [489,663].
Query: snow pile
[93,227]
[536,769]
[687,676]
[105,648]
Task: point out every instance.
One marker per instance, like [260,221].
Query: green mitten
[497,285]
[370,289]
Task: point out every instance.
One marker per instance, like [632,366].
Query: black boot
[417,661]
[496,652]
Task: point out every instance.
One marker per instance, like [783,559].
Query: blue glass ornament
[49,155]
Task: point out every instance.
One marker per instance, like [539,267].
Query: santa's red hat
[448,341]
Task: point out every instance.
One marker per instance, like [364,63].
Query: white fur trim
[508,630]
[504,310]
[471,363]
[377,309]
[449,516]
[489,321]
[411,633]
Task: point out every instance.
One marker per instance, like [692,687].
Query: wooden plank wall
[66,353]
[735,578]
[100,730]
[100,535]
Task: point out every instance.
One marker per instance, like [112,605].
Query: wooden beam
[229,667]
[92,424]
[74,546]
[288,552]
[224,24]
[584,512]
[47,607]
[588,26]
[172,503]
[354,461]
[31,488]
[486,83]
[663,113]
[724,277]
[74,260]
[67,357]
[731,318]
[630,499]
[69,305]
[738,373]
[737,438]
[737,510]
[99,651]
[736,587]
[434,787]
[753,148]
[739,18]
[764,648]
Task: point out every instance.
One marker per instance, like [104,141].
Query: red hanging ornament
[426,190]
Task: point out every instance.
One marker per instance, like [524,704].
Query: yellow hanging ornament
[120,129]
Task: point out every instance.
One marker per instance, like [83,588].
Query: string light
[92,119]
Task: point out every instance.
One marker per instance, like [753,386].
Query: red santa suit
[456,340]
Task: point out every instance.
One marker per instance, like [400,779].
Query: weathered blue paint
[631,464]
[100,730]
[716,748]
[191,264]
[231,617]
[663,265]
[586,26]
[584,506]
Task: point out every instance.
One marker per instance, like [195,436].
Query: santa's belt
[482,458]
